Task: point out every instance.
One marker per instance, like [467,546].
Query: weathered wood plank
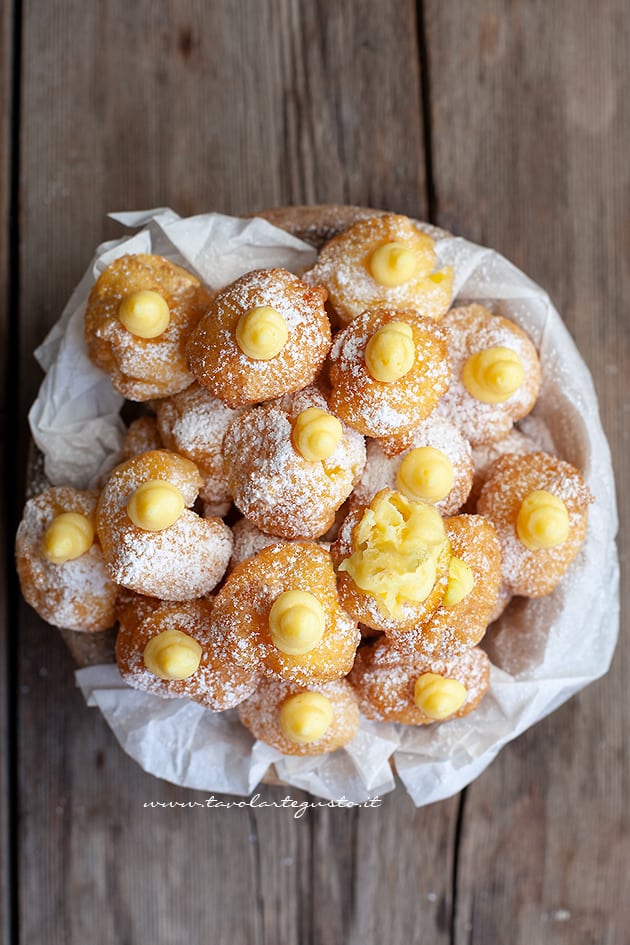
[233,106]
[530,128]
[7,38]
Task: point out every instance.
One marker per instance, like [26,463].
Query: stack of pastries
[325,501]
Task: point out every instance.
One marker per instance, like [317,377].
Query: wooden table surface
[507,122]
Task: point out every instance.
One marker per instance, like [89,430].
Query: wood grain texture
[530,125]
[6,521]
[231,106]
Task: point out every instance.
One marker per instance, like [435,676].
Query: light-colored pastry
[153,543]
[265,335]
[302,721]
[388,371]
[495,377]
[539,506]
[166,648]
[60,562]
[474,578]
[139,314]
[484,456]
[290,464]
[392,559]
[385,261]
[394,689]
[279,612]
[436,468]
[142,436]
[193,424]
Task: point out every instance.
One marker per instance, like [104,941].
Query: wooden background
[508,122]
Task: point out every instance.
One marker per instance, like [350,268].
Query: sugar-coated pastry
[388,371]
[291,464]
[302,721]
[538,505]
[193,424]
[142,435]
[484,456]
[395,689]
[504,597]
[436,467]
[392,559]
[166,648]
[139,314]
[248,541]
[474,578]
[495,376]
[279,611]
[265,335]
[60,562]
[153,543]
[384,261]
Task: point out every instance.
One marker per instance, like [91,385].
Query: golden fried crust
[143,368]
[217,361]
[142,435]
[274,486]
[381,469]
[343,267]
[450,630]
[216,684]
[384,410]
[240,618]
[471,329]
[260,714]
[77,595]
[181,562]
[511,479]
[193,424]
[484,457]
[363,606]
[384,682]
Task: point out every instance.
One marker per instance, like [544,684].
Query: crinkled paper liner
[543,651]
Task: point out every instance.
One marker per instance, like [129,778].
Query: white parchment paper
[543,651]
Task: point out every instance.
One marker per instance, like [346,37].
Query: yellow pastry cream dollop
[390,353]
[460,582]
[398,545]
[305,717]
[543,521]
[261,333]
[155,505]
[172,655]
[493,375]
[145,314]
[426,474]
[393,264]
[296,622]
[437,696]
[316,434]
[68,536]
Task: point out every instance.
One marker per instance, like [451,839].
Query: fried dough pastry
[265,335]
[290,464]
[279,612]
[392,559]
[388,371]
[302,721]
[60,563]
[474,578]
[495,374]
[539,506]
[436,467]
[394,689]
[142,436]
[385,261]
[193,424]
[166,648]
[153,543]
[139,314]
